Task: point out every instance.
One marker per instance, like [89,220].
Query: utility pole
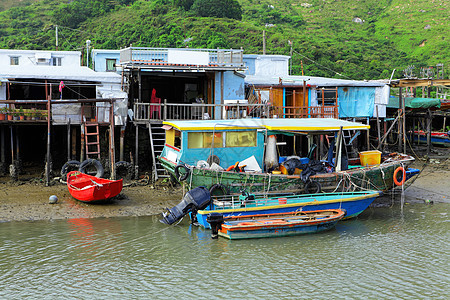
[290,69]
[264,42]
[88,42]
[56,33]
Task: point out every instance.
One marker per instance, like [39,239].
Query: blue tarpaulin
[356,102]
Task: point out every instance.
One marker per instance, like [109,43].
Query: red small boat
[90,189]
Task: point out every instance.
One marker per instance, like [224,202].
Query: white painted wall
[31,57]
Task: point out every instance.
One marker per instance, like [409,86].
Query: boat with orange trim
[275,225]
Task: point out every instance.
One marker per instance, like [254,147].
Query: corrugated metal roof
[59,73]
[287,81]
[291,124]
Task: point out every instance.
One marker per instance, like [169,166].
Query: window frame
[14,60]
[114,69]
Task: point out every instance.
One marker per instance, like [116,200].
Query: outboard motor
[197,198]
[216,221]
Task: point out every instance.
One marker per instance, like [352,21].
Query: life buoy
[71,165]
[92,162]
[399,183]
[310,184]
[177,172]
[218,186]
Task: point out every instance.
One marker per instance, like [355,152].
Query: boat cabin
[260,144]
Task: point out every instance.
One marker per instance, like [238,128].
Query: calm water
[385,253]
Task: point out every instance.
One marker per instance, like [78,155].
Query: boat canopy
[290,124]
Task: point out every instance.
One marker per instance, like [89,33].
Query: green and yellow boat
[228,156]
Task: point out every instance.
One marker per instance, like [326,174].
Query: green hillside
[335,38]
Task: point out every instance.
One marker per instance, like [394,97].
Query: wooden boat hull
[437,138]
[90,189]
[353,203]
[379,177]
[280,224]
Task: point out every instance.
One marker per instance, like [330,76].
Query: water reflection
[381,254]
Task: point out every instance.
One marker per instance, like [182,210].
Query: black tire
[220,187]
[312,187]
[71,165]
[92,162]
[183,176]
[124,170]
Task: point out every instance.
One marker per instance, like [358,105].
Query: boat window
[204,139]
[173,138]
[240,139]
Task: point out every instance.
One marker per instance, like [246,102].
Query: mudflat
[28,199]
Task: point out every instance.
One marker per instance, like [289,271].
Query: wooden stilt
[378,128]
[83,142]
[111,141]
[68,140]
[2,151]
[47,163]
[136,154]
[12,143]
[429,119]
[368,136]
[122,142]
[400,123]
[17,144]
[74,143]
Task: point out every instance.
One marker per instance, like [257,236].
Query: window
[110,65]
[14,61]
[240,139]
[204,140]
[56,61]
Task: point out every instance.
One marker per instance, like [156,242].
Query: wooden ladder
[92,140]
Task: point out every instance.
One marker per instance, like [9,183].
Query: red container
[282,200]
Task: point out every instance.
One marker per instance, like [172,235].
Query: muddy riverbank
[28,198]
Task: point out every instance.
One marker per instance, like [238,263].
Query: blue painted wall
[233,88]
[99,59]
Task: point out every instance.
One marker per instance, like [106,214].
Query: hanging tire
[85,165]
[181,177]
[124,169]
[71,165]
[220,187]
[312,187]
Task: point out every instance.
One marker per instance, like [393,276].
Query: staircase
[91,135]
[348,137]
[157,140]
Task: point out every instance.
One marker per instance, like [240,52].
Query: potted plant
[21,114]
[3,113]
[28,116]
[16,114]
[37,115]
[10,114]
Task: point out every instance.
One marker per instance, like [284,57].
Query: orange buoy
[399,183]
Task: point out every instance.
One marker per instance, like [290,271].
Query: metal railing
[305,111]
[217,57]
[197,111]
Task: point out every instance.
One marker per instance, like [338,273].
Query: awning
[289,124]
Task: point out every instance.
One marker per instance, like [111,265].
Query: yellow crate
[370,158]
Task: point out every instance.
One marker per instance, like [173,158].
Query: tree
[217,8]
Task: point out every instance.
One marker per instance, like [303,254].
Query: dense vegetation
[335,38]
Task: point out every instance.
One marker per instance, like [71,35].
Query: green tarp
[415,102]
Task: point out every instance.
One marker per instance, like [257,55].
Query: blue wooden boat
[437,138]
[279,224]
[352,202]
